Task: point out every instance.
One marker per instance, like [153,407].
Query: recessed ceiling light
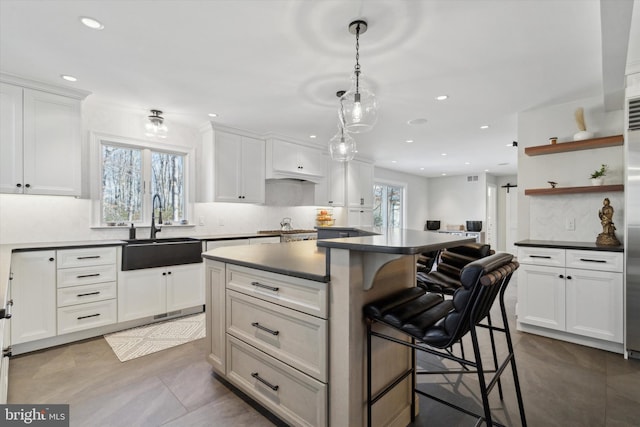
[69,78]
[486,170]
[442,97]
[484,127]
[312,136]
[91,23]
[444,174]
[443,154]
[409,141]
[212,115]
[419,121]
[467,163]
[421,169]
[394,161]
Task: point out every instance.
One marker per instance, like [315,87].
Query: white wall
[544,217]
[416,203]
[453,200]
[502,207]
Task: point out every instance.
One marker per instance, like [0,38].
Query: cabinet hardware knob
[569,277]
[169,273]
[19,185]
[28,185]
[52,259]
[164,274]
[262,328]
[561,276]
[265,382]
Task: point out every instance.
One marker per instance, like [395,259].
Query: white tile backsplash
[549,215]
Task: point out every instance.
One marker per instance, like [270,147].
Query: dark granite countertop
[297,259]
[586,246]
[397,241]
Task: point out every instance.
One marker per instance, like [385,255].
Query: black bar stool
[435,324]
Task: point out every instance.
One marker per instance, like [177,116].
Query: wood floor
[563,385]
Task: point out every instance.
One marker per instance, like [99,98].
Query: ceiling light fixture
[359,110]
[214,115]
[409,141]
[91,23]
[68,78]
[156,127]
[441,97]
[312,136]
[484,127]
[342,147]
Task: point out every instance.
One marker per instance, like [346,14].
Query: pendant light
[342,147]
[156,127]
[359,103]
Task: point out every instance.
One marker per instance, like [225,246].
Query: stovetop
[287,231]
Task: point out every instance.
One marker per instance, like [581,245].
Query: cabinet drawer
[86,275]
[73,295]
[86,256]
[295,397]
[303,295]
[541,256]
[86,316]
[595,260]
[298,339]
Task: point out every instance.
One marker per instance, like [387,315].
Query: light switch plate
[571,224]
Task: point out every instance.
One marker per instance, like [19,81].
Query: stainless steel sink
[149,253]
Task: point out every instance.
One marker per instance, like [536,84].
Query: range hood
[289,192]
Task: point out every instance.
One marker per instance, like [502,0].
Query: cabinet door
[541,296]
[253,170]
[285,157]
[360,184]
[141,293]
[358,217]
[228,149]
[33,289]
[52,144]
[594,304]
[10,139]
[336,177]
[216,314]
[185,286]
[311,161]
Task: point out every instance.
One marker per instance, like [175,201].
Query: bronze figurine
[608,235]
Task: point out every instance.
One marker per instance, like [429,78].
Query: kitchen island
[285,324]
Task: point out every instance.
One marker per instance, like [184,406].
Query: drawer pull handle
[593,260]
[89,257]
[82,276]
[260,285]
[5,313]
[86,317]
[265,382]
[259,326]
[540,256]
[88,294]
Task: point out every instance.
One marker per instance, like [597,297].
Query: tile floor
[563,385]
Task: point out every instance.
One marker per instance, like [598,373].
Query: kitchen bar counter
[298,259]
[585,246]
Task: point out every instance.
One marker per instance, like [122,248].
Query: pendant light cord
[357,67]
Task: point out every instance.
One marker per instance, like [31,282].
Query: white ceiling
[275,65]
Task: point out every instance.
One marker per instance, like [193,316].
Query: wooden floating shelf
[573,190]
[563,147]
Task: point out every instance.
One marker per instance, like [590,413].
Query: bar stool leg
[495,357]
[481,380]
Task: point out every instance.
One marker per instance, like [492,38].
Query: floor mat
[136,342]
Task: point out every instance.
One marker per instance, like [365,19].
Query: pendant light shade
[156,128]
[342,147]
[359,109]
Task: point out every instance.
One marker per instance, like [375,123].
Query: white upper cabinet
[238,167]
[331,191]
[40,139]
[290,160]
[360,184]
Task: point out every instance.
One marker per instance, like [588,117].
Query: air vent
[634,114]
[472,178]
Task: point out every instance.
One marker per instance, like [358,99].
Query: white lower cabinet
[85,316]
[33,289]
[576,292]
[153,291]
[270,339]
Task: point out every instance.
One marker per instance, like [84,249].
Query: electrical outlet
[201,220]
[571,224]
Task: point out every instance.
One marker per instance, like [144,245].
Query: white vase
[583,134]
[597,181]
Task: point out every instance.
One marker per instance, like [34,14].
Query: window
[128,171]
[387,205]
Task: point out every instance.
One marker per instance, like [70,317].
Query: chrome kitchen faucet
[155,230]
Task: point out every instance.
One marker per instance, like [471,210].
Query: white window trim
[97,139]
[404,186]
